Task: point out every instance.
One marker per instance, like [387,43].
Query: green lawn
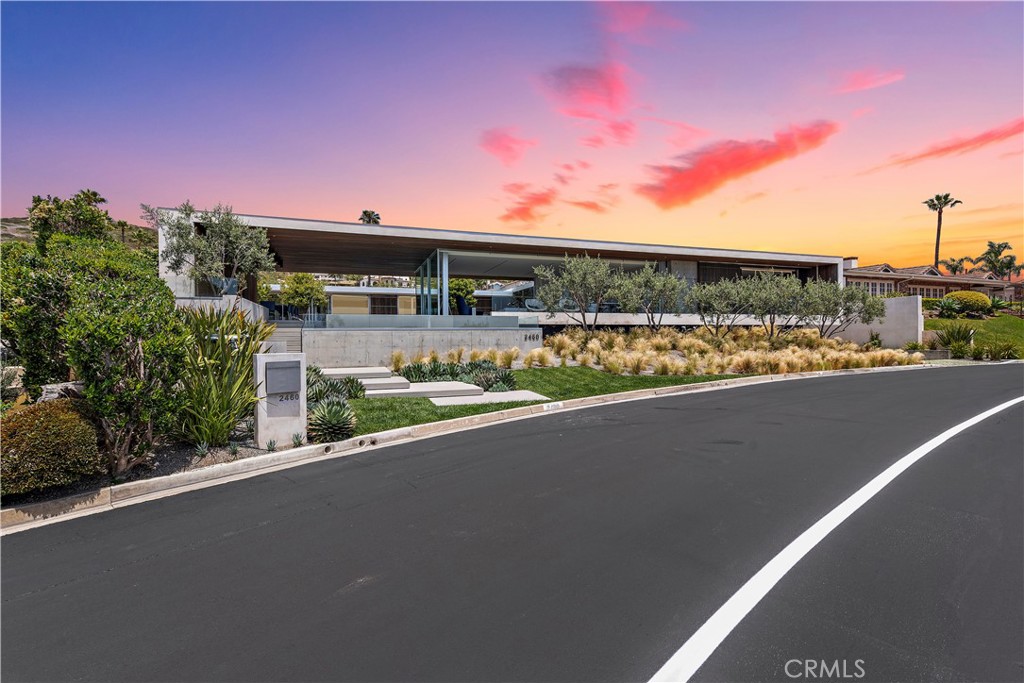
[559,384]
[1003,328]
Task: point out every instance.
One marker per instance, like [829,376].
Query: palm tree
[956,265]
[993,261]
[369,217]
[938,203]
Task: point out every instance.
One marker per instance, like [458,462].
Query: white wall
[904,322]
[181,285]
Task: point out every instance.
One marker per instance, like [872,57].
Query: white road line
[695,651]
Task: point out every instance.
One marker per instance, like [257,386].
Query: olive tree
[651,292]
[223,247]
[578,288]
[832,308]
[719,304]
[775,300]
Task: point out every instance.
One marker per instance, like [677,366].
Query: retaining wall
[361,348]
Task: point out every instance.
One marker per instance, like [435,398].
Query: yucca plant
[330,421]
[217,387]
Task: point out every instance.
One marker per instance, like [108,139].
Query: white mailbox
[281,390]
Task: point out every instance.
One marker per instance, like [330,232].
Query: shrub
[913,346]
[45,445]
[959,349]
[217,386]
[128,346]
[970,302]
[961,333]
[36,296]
[978,352]
[330,421]
[929,304]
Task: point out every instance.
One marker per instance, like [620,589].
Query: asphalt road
[585,545]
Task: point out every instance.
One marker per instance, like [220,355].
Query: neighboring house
[924,281]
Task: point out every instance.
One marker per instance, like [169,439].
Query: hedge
[45,445]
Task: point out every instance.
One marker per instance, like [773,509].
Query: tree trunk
[938,237]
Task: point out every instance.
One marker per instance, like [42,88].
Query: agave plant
[332,420]
[948,308]
[352,387]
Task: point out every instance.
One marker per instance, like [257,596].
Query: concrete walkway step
[359,373]
[429,390]
[382,383]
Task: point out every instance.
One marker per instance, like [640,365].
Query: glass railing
[440,322]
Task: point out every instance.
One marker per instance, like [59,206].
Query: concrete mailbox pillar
[281,390]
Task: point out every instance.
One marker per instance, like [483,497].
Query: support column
[443,303]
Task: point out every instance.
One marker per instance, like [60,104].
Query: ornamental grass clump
[560,344]
[397,360]
[636,361]
[506,357]
[455,355]
[612,362]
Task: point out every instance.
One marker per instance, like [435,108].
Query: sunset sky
[807,127]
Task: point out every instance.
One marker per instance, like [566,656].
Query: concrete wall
[251,309]
[904,322]
[181,285]
[332,348]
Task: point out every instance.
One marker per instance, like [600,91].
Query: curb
[22,518]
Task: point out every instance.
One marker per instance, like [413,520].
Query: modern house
[366,322]
[925,281]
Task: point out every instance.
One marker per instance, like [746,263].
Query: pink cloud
[505,144]
[588,205]
[587,91]
[583,164]
[961,145]
[867,79]
[563,179]
[622,131]
[684,134]
[595,141]
[705,170]
[862,112]
[526,204]
[634,20]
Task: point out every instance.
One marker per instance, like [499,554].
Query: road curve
[583,545]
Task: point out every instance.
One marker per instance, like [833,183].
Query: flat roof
[319,246]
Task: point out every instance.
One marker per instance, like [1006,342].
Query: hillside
[136,236]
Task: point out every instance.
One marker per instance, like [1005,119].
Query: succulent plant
[271,445]
[297,440]
[352,387]
[331,420]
